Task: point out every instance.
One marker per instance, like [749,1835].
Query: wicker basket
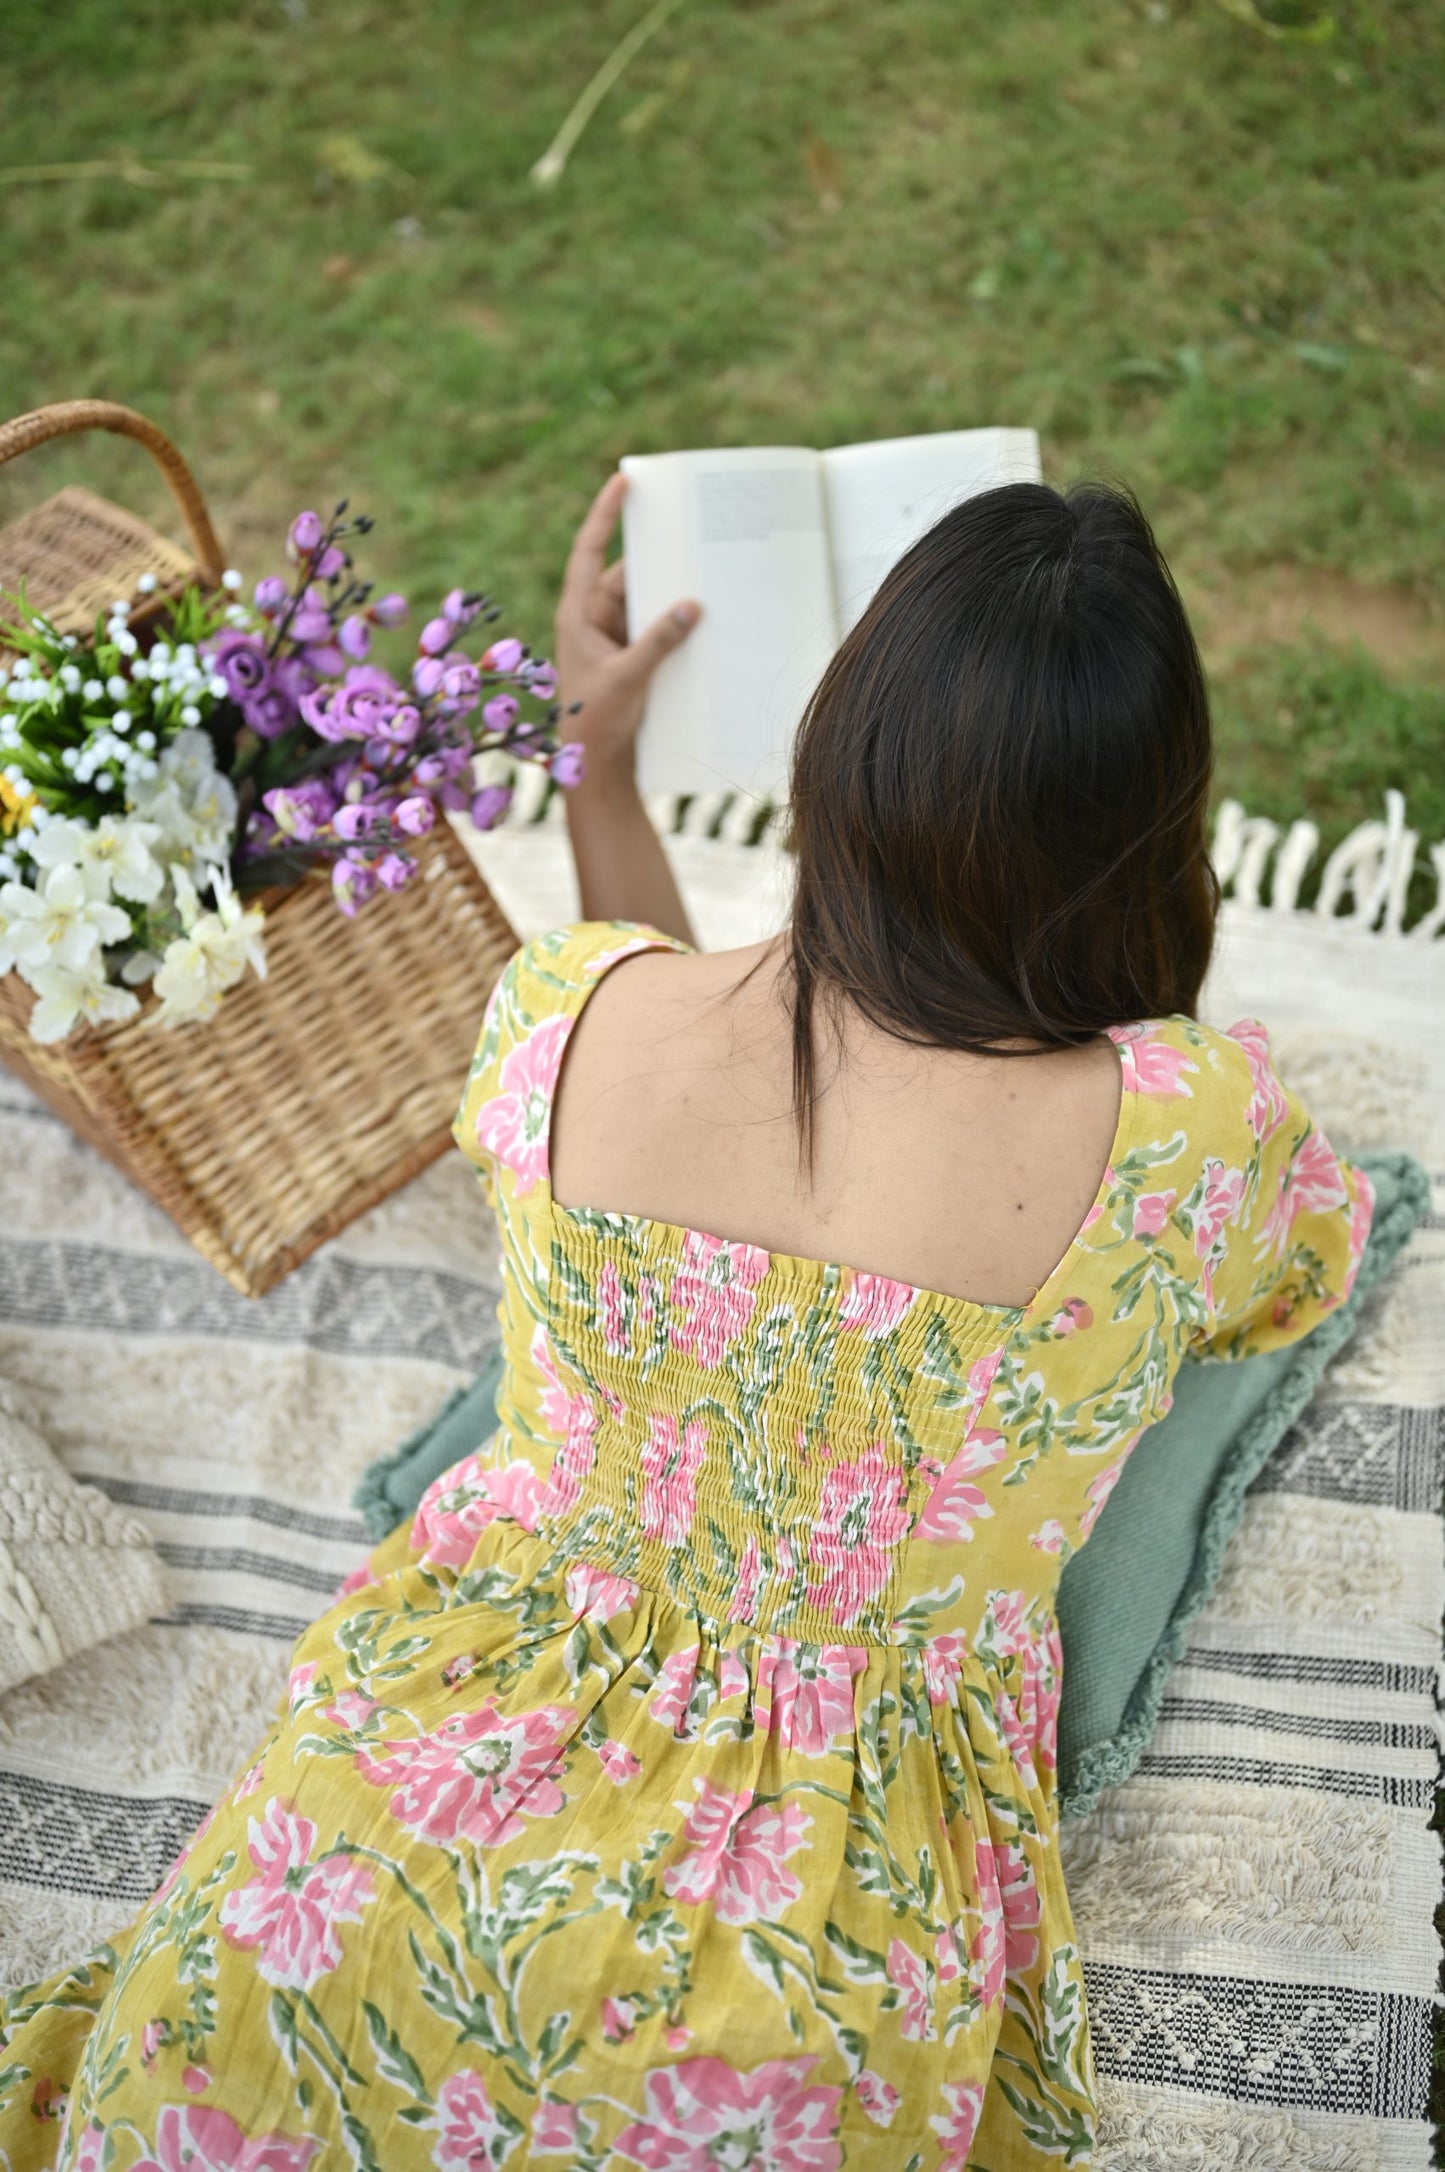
[309,1096]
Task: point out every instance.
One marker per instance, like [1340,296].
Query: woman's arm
[622,869]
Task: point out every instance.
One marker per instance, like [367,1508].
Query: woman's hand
[596,664]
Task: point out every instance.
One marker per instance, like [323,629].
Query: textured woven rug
[1255,1906]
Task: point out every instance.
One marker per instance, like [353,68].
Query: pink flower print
[1151,1211]
[981,1376]
[987,1949]
[879,2099]
[1049,1537]
[152,2036]
[861,1520]
[702,2114]
[955,2125]
[1223,1198]
[1313,1183]
[554,2131]
[596,1593]
[249,1781]
[472,2136]
[572,1420]
[1016,1740]
[292,1914]
[457,1507]
[1022,1908]
[612,1309]
[947,1957]
[196,2079]
[1106,1187]
[1100,1486]
[714,1288]
[673,1692]
[738,1855]
[732,1676]
[1073,1314]
[618,1762]
[350,1710]
[670,1464]
[201,2138]
[955,1504]
[942,1665]
[299,1687]
[1151,1066]
[476,1776]
[1361,1216]
[909,1978]
[875,1304]
[619,2019]
[744,1604]
[1269,1104]
[678,2038]
[512,1127]
[805,1692]
[90,2150]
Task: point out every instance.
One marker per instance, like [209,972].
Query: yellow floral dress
[678,1790]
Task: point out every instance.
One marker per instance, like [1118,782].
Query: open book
[784,548]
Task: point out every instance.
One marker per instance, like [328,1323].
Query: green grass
[1191,254]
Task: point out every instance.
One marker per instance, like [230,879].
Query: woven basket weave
[309,1096]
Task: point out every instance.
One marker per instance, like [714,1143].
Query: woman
[678,1791]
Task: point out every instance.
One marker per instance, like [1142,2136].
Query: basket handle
[65,417]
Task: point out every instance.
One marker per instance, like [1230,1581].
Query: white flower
[114,855]
[117,687]
[146,584]
[212,955]
[59,924]
[66,997]
[191,802]
[231,579]
[92,689]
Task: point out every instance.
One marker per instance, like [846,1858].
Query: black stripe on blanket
[350,1308]
[242,1560]
[1332,2049]
[1385,1675]
[252,1507]
[281,1628]
[78,1840]
[1414,1793]
[1378,1733]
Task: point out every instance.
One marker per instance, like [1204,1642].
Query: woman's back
[967,1174]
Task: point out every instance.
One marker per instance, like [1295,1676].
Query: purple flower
[272,595]
[357,820]
[415,816]
[490,805]
[394,869]
[330,563]
[352,883]
[437,636]
[310,625]
[541,680]
[241,661]
[458,609]
[270,712]
[503,656]
[500,712]
[354,636]
[389,610]
[453,797]
[462,684]
[568,763]
[307,529]
[441,764]
[427,674]
[360,708]
[300,810]
[325,661]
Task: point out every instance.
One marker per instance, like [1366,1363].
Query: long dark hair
[999,789]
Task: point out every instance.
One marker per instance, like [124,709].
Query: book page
[883,497]
[745,532]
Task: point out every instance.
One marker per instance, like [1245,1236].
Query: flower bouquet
[152,782]
[195,788]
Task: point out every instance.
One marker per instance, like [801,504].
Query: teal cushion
[1125,1601]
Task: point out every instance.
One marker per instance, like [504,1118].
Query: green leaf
[394,2063]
